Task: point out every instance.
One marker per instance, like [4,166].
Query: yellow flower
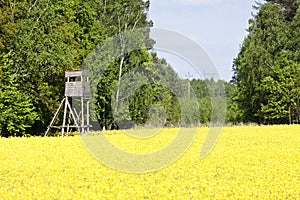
[247,163]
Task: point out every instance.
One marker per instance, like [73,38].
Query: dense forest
[267,69]
[40,40]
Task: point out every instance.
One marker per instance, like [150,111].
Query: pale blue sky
[218,26]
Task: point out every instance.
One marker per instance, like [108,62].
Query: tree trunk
[290,116]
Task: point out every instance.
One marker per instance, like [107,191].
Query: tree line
[267,68]
[40,40]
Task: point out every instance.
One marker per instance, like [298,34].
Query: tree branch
[47,6]
[136,21]
[31,6]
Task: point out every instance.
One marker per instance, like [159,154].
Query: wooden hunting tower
[77,88]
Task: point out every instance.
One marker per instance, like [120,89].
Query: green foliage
[153,102]
[7,24]
[289,6]
[50,37]
[267,69]
[17,110]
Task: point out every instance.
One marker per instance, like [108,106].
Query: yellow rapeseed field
[259,162]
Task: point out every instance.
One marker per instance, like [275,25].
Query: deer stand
[78,89]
